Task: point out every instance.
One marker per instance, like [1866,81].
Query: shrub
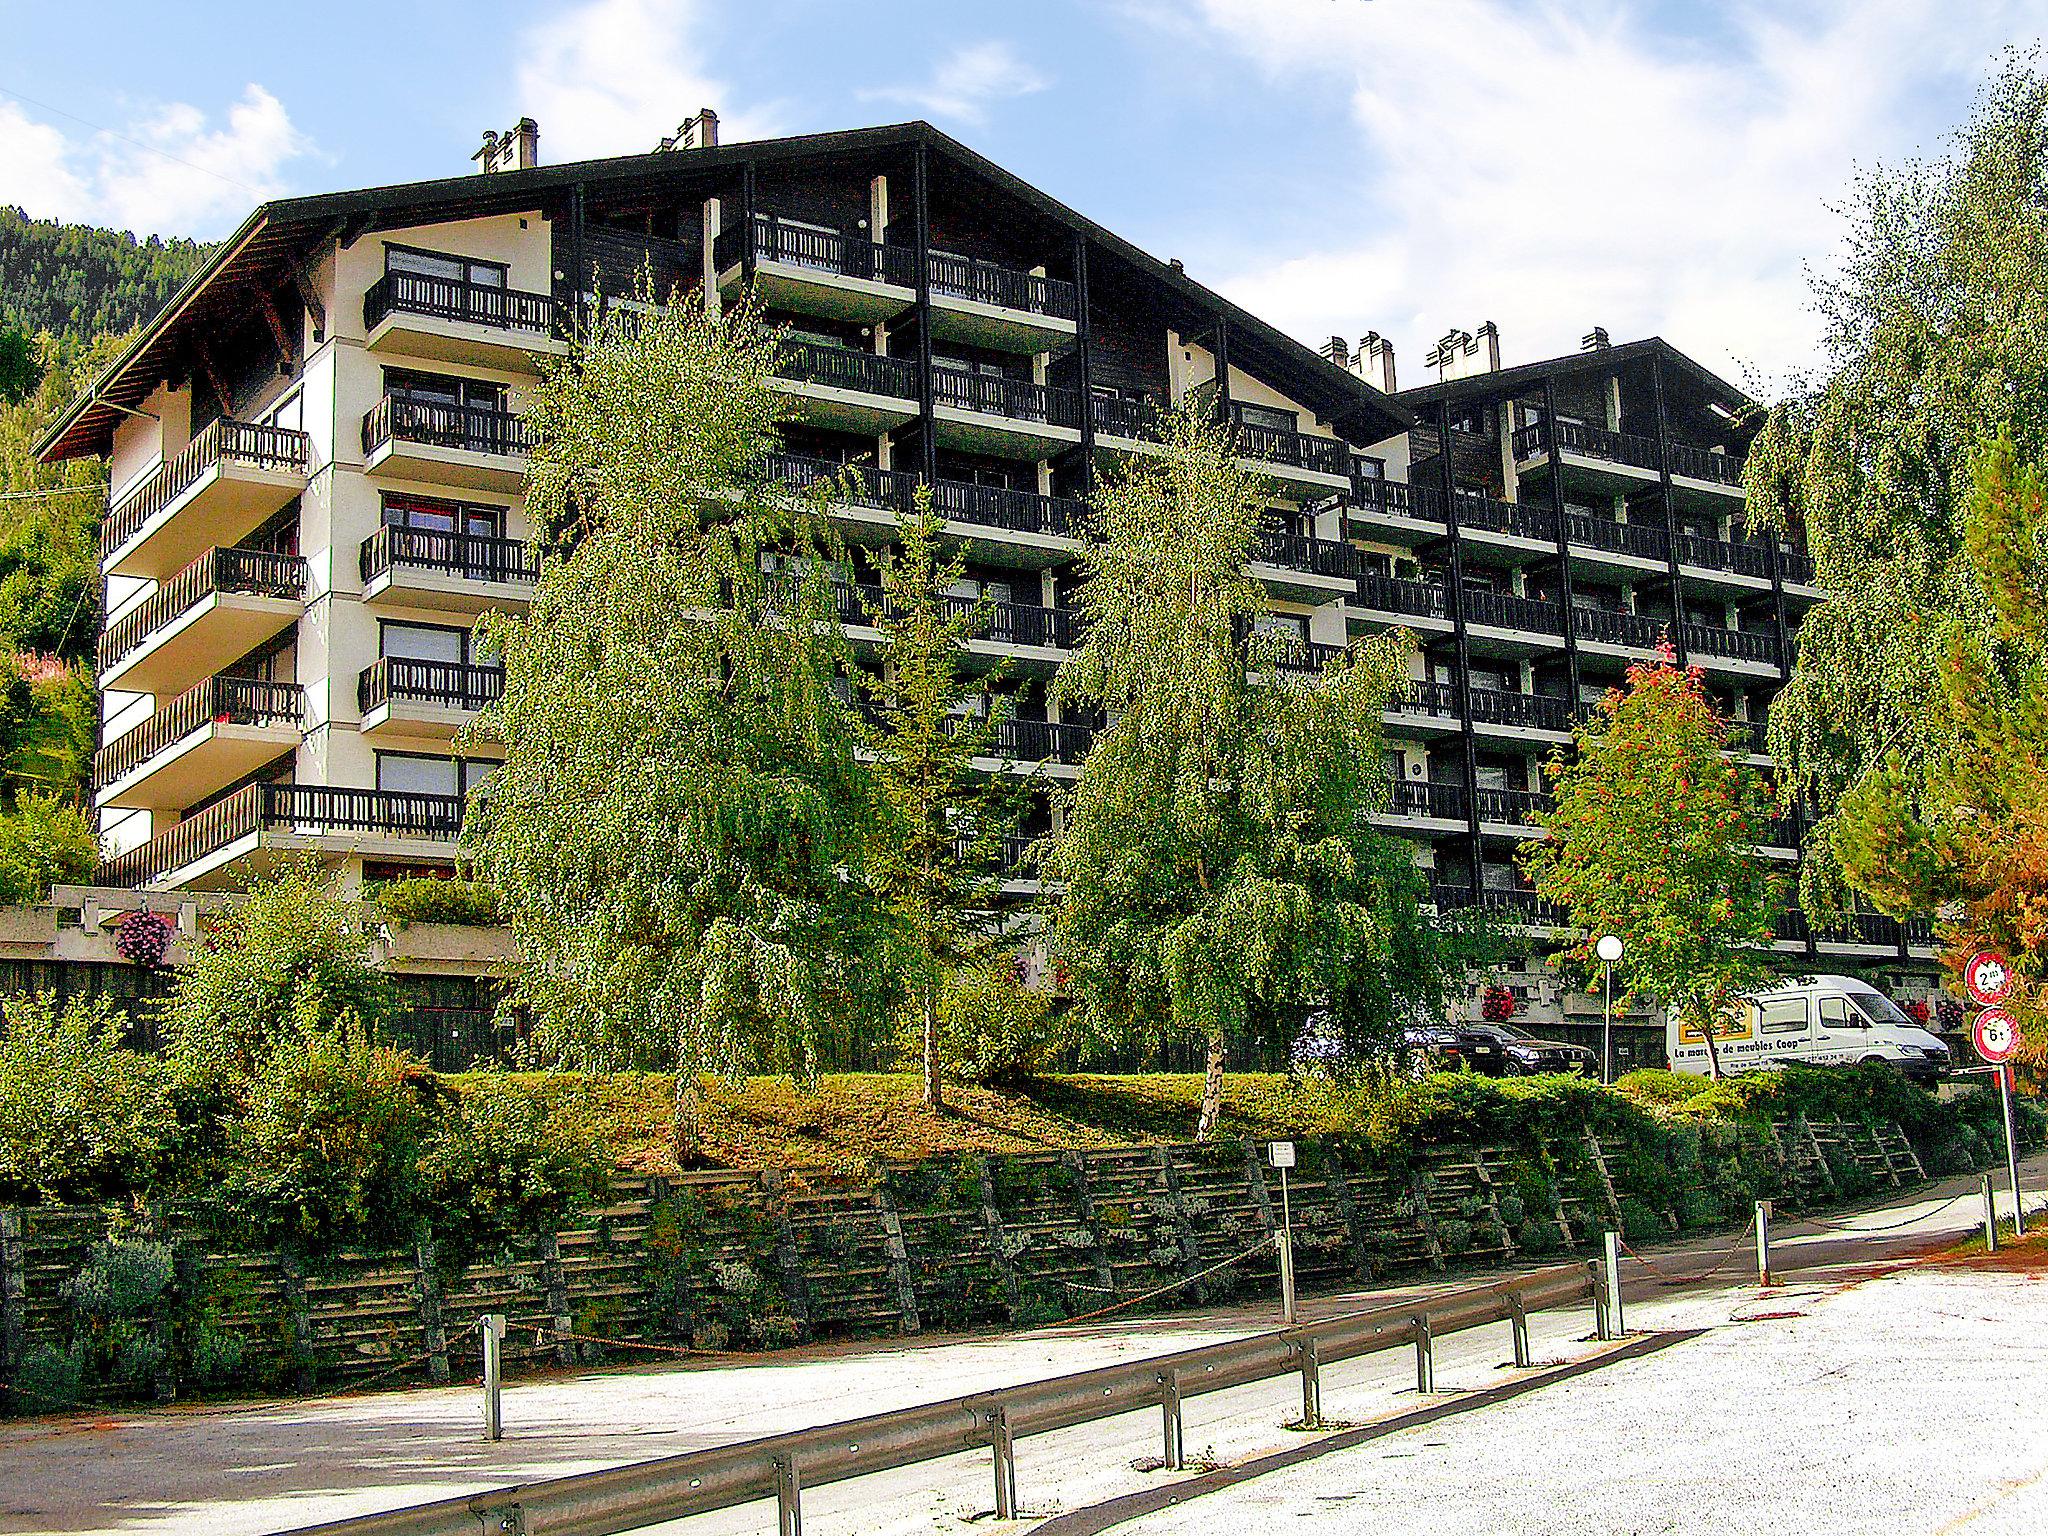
[995,1029]
[467,903]
[44,841]
[327,1152]
[81,1117]
[1655,1085]
[503,1161]
[288,958]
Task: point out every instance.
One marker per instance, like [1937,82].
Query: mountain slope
[78,282]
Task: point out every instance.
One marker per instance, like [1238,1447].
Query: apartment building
[317,456]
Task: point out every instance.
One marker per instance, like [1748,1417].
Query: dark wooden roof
[280,237]
[1510,381]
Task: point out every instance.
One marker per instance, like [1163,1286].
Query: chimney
[1373,345]
[1595,340]
[1338,351]
[699,132]
[1489,336]
[516,149]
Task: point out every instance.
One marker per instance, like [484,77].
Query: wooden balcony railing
[302,809]
[985,282]
[216,701]
[448,684]
[448,298]
[253,572]
[847,368]
[476,556]
[472,428]
[223,442]
[991,394]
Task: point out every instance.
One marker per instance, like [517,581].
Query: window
[1834,1014]
[443,390]
[289,413]
[431,515]
[1782,1016]
[415,773]
[423,642]
[1267,416]
[454,269]
[1289,626]
[1366,467]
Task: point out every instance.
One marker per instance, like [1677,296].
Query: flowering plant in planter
[144,938]
[1498,1005]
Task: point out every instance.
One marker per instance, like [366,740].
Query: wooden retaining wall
[732,1260]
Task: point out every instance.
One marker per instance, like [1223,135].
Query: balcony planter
[446,946]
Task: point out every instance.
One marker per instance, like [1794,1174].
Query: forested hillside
[79,283]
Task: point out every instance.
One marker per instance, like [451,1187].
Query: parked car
[1503,1050]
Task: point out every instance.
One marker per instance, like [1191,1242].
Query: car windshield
[1505,1032]
[1879,1009]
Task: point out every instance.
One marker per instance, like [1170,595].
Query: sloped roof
[1507,381]
[276,239]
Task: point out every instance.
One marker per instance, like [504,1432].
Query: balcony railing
[216,701]
[868,373]
[1508,610]
[822,250]
[1426,697]
[474,555]
[1397,498]
[1515,807]
[999,622]
[1393,595]
[1120,416]
[1493,898]
[1307,655]
[1299,552]
[1039,741]
[251,572]
[1628,448]
[1705,464]
[1519,519]
[1608,628]
[447,684]
[1425,797]
[985,282]
[1638,539]
[988,506]
[1297,450]
[992,394]
[448,298]
[1537,711]
[1736,644]
[1796,566]
[472,428]
[304,809]
[1722,555]
[222,442]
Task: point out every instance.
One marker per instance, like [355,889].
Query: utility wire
[44,106]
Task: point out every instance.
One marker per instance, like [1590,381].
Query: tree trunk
[934,1087]
[686,1127]
[1212,1090]
[1713,1050]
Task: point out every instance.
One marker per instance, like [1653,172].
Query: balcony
[1044,741]
[1521,908]
[1300,460]
[1749,564]
[988,305]
[1019,521]
[1512,808]
[1395,512]
[1640,546]
[464,573]
[1309,656]
[1521,711]
[847,389]
[1634,632]
[255,825]
[1021,631]
[403,696]
[1506,519]
[411,314]
[1796,566]
[1705,469]
[1735,649]
[1391,600]
[222,605]
[1426,800]
[473,446]
[1124,424]
[991,413]
[224,484]
[818,271]
[1315,570]
[1424,705]
[1619,460]
[212,734]
[1512,614]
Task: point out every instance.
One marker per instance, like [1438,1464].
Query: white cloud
[615,77]
[170,171]
[1552,168]
[965,83]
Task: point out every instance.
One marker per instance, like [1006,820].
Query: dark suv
[1502,1050]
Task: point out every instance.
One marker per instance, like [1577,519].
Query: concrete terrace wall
[732,1260]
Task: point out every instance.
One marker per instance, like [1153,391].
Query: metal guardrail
[778,1467]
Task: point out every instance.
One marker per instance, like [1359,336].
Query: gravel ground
[1904,1405]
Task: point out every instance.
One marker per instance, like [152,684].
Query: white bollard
[493,1326]
[1763,1244]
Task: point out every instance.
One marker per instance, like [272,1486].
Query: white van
[1821,1021]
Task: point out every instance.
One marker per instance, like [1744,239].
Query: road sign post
[1996,1034]
[493,1326]
[1281,1155]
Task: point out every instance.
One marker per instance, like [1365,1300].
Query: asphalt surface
[236,1471]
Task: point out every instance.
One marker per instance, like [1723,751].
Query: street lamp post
[1608,950]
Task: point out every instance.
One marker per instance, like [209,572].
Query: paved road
[269,1468]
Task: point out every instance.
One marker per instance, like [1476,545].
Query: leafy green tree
[82,1117]
[289,957]
[676,832]
[934,854]
[44,841]
[1936,330]
[1653,837]
[80,282]
[1215,869]
[20,372]
[1961,828]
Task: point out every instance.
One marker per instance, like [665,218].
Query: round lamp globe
[1609,948]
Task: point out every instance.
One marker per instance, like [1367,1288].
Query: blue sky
[1336,165]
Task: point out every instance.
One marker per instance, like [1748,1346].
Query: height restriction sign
[1987,978]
